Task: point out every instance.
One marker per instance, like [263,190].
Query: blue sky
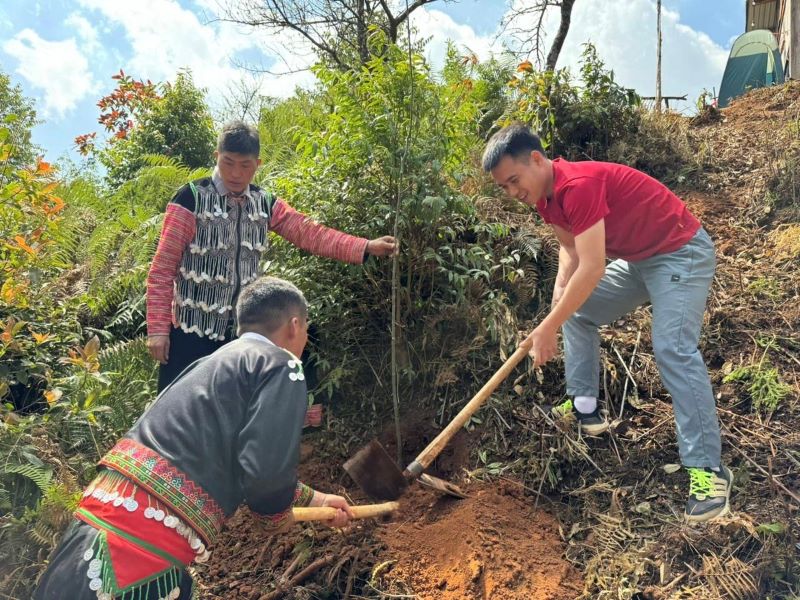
[63,52]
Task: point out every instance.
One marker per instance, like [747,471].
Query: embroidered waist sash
[147,469]
[140,543]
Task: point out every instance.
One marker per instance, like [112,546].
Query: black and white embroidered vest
[230,236]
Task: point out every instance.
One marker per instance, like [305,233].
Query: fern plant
[32,523]
[763,383]
[762,380]
[111,239]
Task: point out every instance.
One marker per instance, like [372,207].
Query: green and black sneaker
[593,423]
[709,493]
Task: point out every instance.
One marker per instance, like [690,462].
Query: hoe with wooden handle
[377,474]
[325,513]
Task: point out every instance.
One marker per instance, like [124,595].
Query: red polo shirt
[642,216]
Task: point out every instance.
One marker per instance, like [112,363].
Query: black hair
[267,303]
[515,140]
[240,138]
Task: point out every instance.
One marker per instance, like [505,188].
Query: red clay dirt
[490,545]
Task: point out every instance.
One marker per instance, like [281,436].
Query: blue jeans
[676,284]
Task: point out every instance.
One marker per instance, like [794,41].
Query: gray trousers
[676,284]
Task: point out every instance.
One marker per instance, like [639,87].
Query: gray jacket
[232,423]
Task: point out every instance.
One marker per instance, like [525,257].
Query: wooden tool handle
[325,513]
[427,456]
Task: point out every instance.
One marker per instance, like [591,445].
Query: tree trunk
[558,42]
[362,26]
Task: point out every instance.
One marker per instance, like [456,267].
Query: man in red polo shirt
[660,254]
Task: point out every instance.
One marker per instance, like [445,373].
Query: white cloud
[166,37]
[439,27]
[58,69]
[87,37]
[624,34]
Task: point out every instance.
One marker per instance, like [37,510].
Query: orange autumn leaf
[14,291]
[40,338]
[24,245]
[53,396]
[58,205]
[8,294]
[42,167]
[9,331]
[86,357]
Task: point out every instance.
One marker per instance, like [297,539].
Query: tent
[754,61]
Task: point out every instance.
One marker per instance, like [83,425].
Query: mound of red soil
[490,545]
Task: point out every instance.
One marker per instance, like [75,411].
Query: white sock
[585,404]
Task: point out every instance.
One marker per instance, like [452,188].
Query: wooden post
[793,14]
[658,56]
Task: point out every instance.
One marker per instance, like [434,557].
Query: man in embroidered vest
[662,256]
[224,434]
[214,235]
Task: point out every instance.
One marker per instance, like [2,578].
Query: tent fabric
[754,61]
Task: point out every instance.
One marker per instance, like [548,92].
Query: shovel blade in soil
[376,473]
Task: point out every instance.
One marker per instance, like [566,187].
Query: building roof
[763,14]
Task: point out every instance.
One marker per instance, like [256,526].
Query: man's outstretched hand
[383,246]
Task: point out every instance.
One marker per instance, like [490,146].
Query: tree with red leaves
[120,109]
[142,119]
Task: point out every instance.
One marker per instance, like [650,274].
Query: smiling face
[236,170]
[526,178]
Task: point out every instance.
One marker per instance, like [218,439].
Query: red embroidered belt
[147,469]
[140,541]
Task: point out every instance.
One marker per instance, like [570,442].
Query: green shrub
[390,153]
[576,121]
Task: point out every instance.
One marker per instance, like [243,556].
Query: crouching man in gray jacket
[225,433]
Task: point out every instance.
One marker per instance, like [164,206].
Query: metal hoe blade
[376,473]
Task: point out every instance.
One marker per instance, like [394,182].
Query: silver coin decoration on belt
[170,521]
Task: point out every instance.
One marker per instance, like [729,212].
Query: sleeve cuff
[159,329]
[303,495]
